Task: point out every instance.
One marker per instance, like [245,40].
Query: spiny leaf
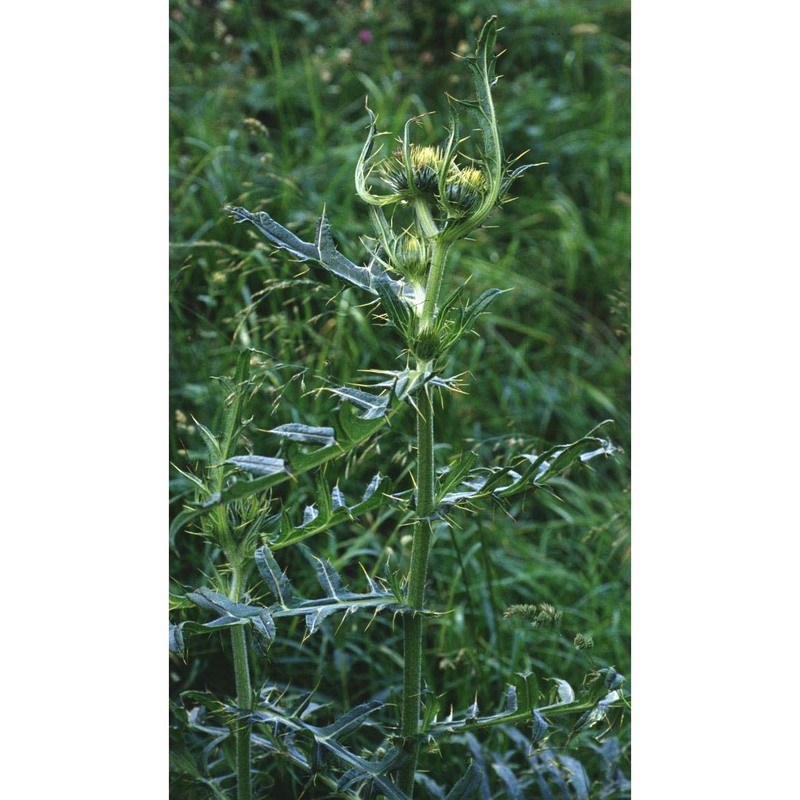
[467,785]
[513,174]
[532,471]
[306,434]
[369,771]
[372,488]
[242,489]
[176,643]
[274,577]
[349,721]
[323,251]
[332,260]
[181,520]
[214,601]
[451,300]
[315,611]
[374,496]
[396,309]
[233,614]
[454,474]
[235,403]
[319,614]
[329,579]
[563,771]
[565,705]
[258,465]
[225,622]
[513,787]
[301,460]
[373,586]
[276,233]
[356,427]
[338,598]
[310,513]
[511,699]
[540,727]
[356,430]
[566,694]
[286,525]
[599,712]
[613,680]
[476,308]
[337,498]
[482,68]
[527,686]
[264,630]
[558,459]
[314,522]
[384,785]
[372,406]
[362,769]
[324,499]
[211,442]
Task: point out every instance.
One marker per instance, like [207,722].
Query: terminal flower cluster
[435,195]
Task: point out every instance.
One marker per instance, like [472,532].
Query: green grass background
[267,111]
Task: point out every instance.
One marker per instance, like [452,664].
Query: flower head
[458,197]
[446,194]
[418,174]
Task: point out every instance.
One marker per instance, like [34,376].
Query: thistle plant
[423,201]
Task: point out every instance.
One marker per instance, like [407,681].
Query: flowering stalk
[447,196]
[238,563]
[244,699]
[238,558]
[415,595]
[422,200]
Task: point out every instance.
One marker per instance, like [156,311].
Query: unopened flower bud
[465,190]
[410,256]
[426,345]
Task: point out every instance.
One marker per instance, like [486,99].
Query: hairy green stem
[241,665]
[413,624]
[244,696]
[439,250]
